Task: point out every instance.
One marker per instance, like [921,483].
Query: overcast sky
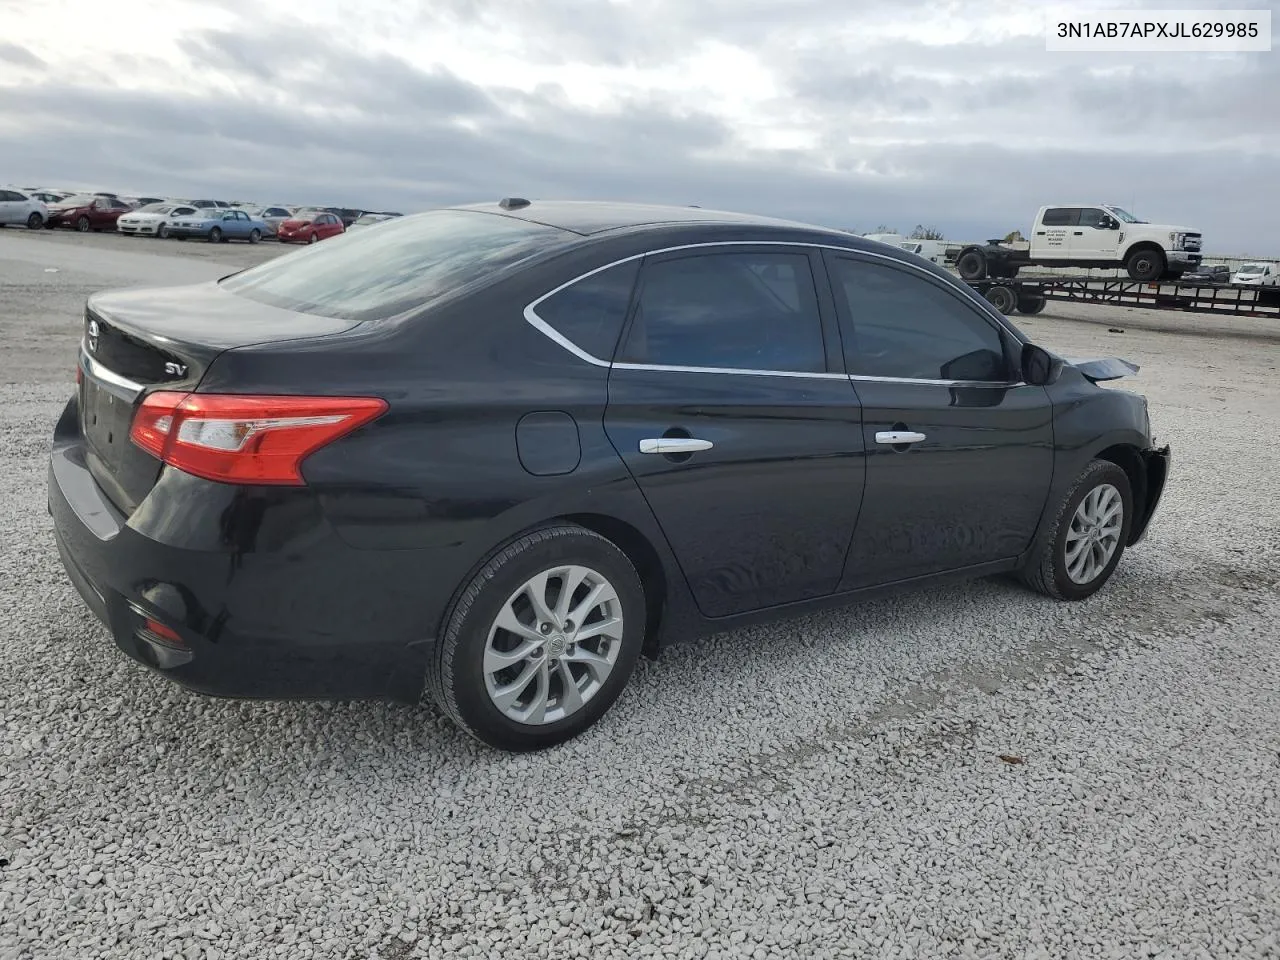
[851,113]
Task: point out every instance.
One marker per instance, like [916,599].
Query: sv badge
[93,336]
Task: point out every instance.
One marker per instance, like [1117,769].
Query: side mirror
[1039,367]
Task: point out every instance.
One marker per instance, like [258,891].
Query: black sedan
[497,452]
[1216,273]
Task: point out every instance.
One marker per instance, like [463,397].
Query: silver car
[272,217]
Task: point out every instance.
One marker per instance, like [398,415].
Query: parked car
[218,226]
[139,202]
[211,204]
[309,228]
[154,219]
[1213,273]
[347,215]
[87,212]
[273,217]
[47,197]
[369,219]
[20,208]
[492,453]
[1257,275]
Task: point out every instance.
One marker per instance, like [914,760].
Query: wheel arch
[638,547]
[1128,457]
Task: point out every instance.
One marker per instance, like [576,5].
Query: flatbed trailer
[1030,294]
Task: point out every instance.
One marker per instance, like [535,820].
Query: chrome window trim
[534,320]
[112,382]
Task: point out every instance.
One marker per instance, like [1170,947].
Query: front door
[728,406]
[1093,239]
[960,453]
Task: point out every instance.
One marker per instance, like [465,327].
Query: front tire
[1087,538]
[542,640]
[162,231]
[313,238]
[1145,265]
[83,224]
[215,235]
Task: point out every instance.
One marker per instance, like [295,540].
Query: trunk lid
[138,341]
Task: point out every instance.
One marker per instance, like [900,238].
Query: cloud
[950,114]
[19,56]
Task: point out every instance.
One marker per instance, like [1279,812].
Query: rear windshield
[371,275]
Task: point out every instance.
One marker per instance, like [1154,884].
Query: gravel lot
[829,787]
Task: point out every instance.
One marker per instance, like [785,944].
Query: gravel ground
[970,771]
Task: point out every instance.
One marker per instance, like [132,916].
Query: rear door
[9,206]
[1054,233]
[960,453]
[728,406]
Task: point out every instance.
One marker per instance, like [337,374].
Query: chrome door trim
[534,320]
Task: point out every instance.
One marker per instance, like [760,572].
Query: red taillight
[245,439]
[158,629]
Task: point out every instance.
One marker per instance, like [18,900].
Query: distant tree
[926,233]
[1013,236]
[883,229]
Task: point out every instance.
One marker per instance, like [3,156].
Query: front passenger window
[905,326]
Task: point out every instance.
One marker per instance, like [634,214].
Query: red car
[309,229]
[87,213]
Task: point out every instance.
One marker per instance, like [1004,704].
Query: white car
[1257,275]
[153,220]
[18,208]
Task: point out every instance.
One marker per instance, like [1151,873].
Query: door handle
[896,437]
[1077,233]
[669,445]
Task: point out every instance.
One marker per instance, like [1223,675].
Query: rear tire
[971,265]
[1003,299]
[1145,265]
[475,670]
[35,221]
[1069,563]
[255,236]
[1031,305]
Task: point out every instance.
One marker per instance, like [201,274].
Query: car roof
[592,217]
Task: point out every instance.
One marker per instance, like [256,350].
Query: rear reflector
[245,439]
[160,631]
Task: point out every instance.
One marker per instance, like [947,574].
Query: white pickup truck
[1080,235]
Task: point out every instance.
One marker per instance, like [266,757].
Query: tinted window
[751,311]
[1092,216]
[404,265]
[8,195]
[1061,217]
[590,313]
[907,326]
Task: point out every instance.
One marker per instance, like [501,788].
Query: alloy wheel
[1094,533]
[553,645]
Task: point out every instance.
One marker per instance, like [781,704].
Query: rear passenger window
[907,327]
[1061,217]
[747,311]
[590,313]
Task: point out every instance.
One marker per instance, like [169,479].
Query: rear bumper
[299,616]
[1156,461]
